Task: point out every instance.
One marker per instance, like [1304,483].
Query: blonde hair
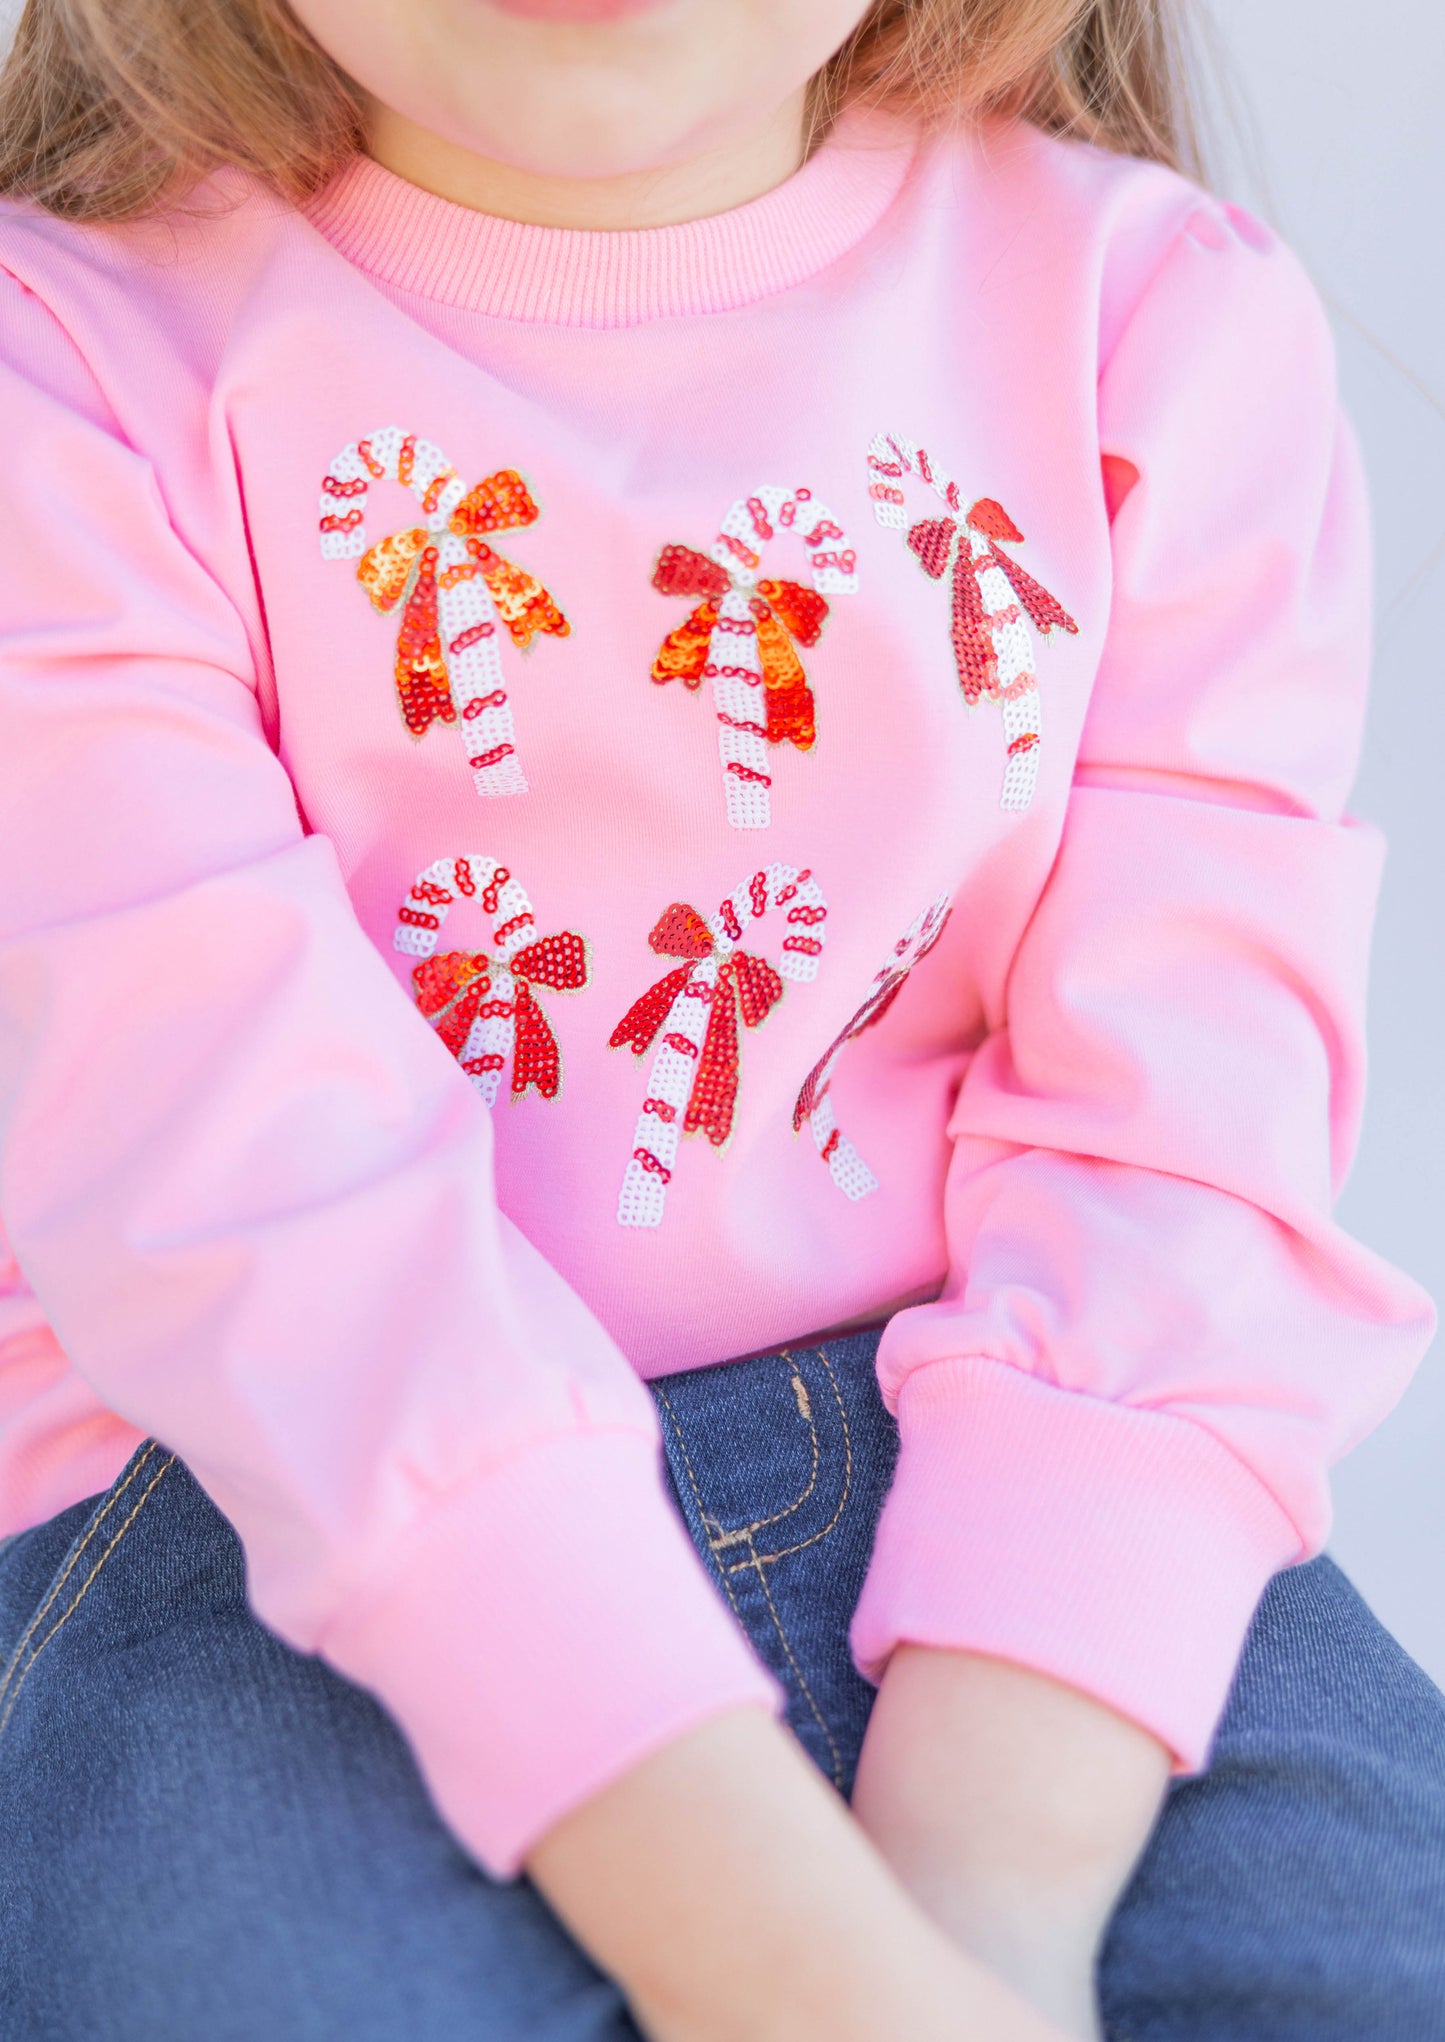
[112,109]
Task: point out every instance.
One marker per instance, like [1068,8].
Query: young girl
[676,687]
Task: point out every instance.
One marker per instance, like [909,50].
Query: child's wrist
[734,1899]
[700,1877]
[1005,1774]
[1013,1810]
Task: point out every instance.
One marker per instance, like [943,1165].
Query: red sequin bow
[745,985]
[939,541]
[404,569]
[452,992]
[781,611]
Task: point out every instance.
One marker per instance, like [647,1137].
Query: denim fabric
[204,1834]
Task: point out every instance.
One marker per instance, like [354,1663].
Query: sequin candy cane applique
[815,1105]
[483,1004]
[993,598]
[692,1082]
[453,591]
[743,633]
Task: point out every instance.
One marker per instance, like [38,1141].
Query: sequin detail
[455,594]
[483,1004]
[744,632]
[692,1014]
[814,1104]
[993,599]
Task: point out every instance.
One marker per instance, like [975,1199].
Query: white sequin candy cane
[482,1003]
[994,600]
[741,637]
[692,1081]
[455,593]
[815,1103]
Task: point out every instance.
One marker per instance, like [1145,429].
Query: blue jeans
[205,1837]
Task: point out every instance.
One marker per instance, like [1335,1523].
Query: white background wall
[1340,141]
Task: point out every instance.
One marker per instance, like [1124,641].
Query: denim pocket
[780,1464]
[777,1453]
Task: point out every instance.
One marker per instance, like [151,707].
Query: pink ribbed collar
[570,277]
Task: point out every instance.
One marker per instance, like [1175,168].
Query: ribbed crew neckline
[566,276]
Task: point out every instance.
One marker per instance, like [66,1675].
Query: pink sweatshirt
[577,805]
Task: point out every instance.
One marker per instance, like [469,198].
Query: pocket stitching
[85,1586]
[761,1560]
[787,1645]
[71,1561]
[729,1535]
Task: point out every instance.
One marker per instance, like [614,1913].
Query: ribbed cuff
[1120,1551]
[550,1627]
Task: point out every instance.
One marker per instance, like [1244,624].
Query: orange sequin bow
[403,569]
[453,989]
[936,542]
[745,985]
[781,611]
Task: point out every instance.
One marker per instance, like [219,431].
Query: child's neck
[728,173]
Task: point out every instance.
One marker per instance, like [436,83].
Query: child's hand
[733,1897]
[1013,1808]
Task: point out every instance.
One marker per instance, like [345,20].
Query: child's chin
[578,13]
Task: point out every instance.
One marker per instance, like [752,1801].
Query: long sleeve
[1118,1418]
[254,1193]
